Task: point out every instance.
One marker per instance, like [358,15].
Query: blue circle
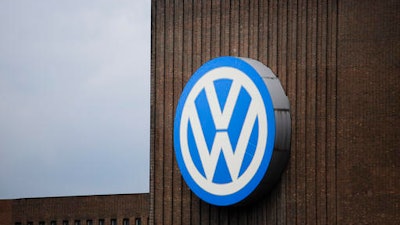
[242,194]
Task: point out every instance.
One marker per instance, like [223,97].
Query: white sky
[74,97]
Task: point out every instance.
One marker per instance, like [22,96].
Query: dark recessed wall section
[338,62]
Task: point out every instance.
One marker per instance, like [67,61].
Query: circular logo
[224,131]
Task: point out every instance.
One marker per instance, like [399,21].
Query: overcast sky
[74,97]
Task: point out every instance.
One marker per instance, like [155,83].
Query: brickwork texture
[88,210]
[339,63]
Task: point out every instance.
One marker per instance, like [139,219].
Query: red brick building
[126,209]
[338,62]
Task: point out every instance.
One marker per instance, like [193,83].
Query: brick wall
[338,62]
[5,212]
[82,208]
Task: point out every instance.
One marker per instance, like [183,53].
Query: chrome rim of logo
[224,131]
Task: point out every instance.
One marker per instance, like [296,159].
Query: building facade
[338,62]
[126,209]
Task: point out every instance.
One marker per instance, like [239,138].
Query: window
[30,223]
[113,221]
[101,221]
[125,222]
[89,222]
[18,223]
[53,222]
[77,222]
[138,221]
[42,223]
[65,222]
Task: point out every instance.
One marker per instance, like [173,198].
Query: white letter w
[222,143]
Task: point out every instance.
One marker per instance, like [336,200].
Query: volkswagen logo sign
[232,131]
